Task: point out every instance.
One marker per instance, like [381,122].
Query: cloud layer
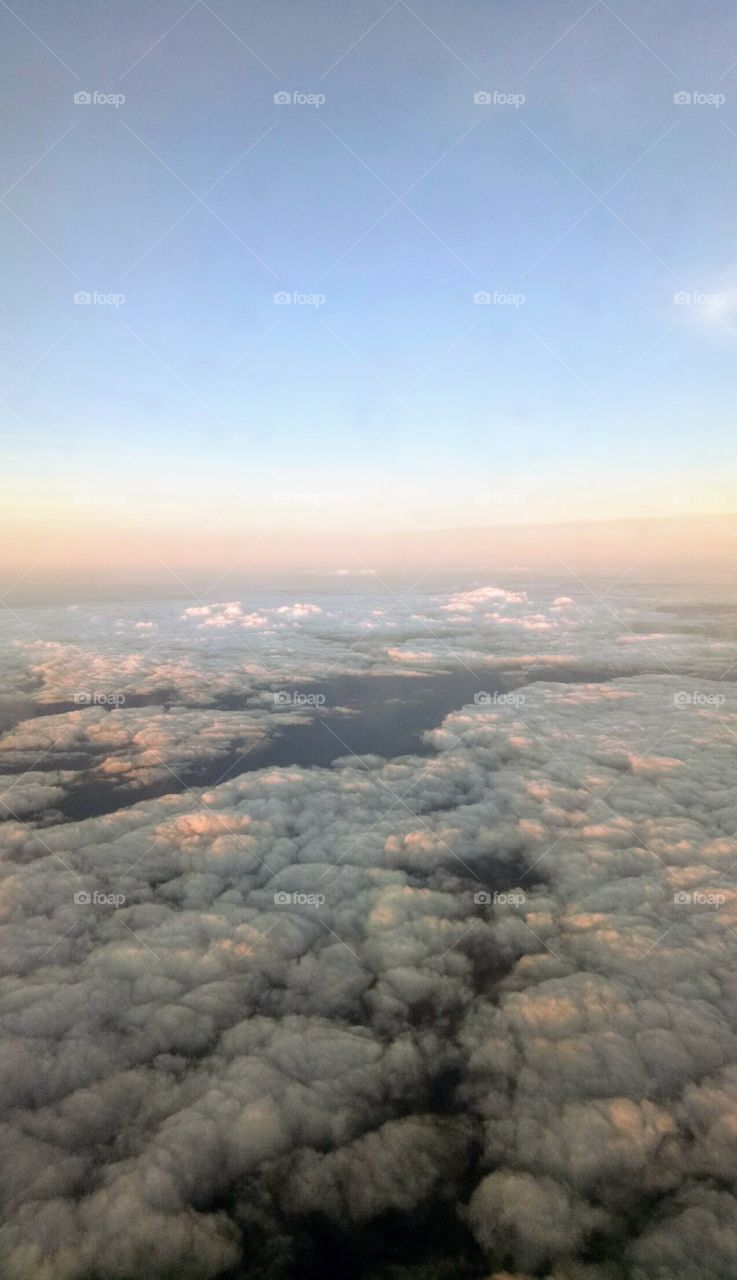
[491,987]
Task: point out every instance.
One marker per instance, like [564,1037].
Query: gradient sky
[199,405]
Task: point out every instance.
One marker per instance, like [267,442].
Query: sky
[183,415]
[368,640]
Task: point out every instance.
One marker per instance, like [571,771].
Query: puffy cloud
[123,747]
[34,792]
[233,614]
[491,986]
[530,1219]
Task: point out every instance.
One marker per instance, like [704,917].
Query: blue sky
[198,390]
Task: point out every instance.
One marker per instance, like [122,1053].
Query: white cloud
[199,1069]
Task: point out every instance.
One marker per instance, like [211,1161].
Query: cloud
[536,1220]
[204,655]
[487,987]
[124,748]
